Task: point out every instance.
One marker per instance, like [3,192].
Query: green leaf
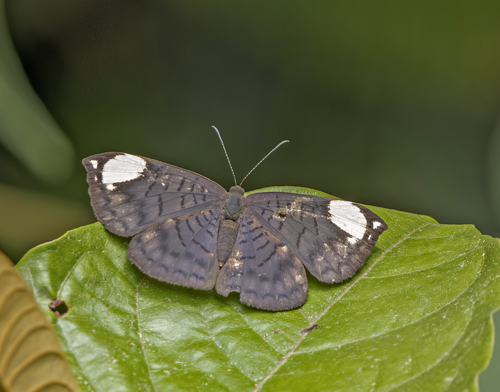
[416,317]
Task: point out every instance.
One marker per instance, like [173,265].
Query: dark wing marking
[129,193]
[333,238]
[180,250]
[265,271]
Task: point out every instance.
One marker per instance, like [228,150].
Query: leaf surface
[416,317]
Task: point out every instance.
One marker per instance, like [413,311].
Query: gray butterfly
[189,231]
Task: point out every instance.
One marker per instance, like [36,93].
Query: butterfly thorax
[234,205]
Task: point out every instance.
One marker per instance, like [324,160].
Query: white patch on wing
[352,240]
[121,168]
[376,224]
[94,163]
[348,217]
[110,187]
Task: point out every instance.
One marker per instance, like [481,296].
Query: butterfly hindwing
[130,193]
[265,271]
[180,250]
[331,237]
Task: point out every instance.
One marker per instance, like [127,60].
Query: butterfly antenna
[225,152]
[262,160]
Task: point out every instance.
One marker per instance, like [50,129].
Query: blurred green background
[391,103]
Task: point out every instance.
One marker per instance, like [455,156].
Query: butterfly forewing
[130,193]
[265,271]
[180,250]
[332,238]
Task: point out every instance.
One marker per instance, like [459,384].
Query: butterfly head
[237,190]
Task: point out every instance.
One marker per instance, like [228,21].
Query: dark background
[388,103]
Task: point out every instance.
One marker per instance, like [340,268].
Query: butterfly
[188,230]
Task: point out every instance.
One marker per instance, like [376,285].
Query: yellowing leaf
[31,358]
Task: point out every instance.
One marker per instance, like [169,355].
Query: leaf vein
[426,268]
[249,326]
[120,270]
[33,288]
[445,304]
[445,354]
[456,341]
[212,336]
[68,274]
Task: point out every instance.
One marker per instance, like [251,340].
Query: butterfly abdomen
[233,206]
[228,230]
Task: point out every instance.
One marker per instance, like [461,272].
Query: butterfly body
[233,206]
[187,230]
